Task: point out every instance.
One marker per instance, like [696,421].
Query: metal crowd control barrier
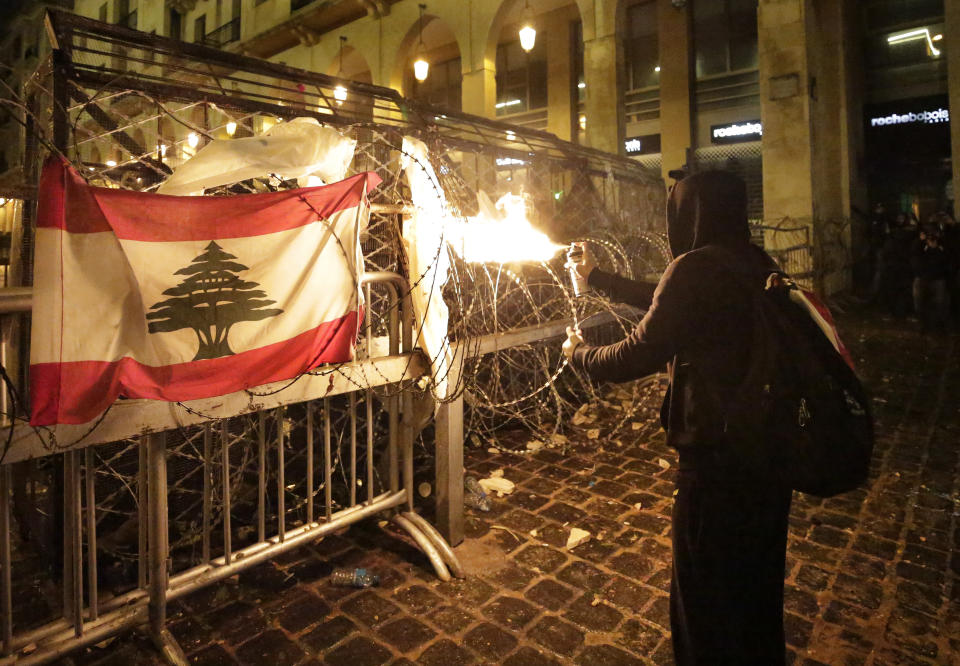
[88,623]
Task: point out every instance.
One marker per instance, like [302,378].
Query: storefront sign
[927,117]
[750,130]
[646,144]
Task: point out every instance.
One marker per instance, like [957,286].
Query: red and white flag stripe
[179,298]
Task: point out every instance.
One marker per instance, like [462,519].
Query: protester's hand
[585,263]
[574,339]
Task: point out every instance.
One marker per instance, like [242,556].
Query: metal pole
[353,448]
[225,479]
[5,559]
[327,465]
[207,490]
[393,403]
[309,462]
[160,549]
[157,525]
[142,517]
[67,539]
[281,481]
[91,510]
[262,476]
[369,445]
[76,517]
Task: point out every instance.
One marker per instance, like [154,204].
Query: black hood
[708,208]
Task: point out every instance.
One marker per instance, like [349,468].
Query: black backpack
[800,414]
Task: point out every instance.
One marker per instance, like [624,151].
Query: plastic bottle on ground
[354,578]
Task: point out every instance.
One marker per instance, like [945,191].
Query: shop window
[642,46]
[725,36]
[442,87]
[521,77]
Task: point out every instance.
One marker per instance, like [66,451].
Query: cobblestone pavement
[873,577]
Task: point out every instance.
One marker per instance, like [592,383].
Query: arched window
[521,77]
[443,87]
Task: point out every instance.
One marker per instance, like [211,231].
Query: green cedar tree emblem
[210,300]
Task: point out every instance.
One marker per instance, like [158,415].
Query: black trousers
[729,552]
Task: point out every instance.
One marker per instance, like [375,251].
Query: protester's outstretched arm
[673,317]
[622,290]
[616,288]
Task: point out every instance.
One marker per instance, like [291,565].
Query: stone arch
[441,44]
[350,64]
[509,12]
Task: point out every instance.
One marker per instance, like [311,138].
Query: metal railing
[87,619]
[226,33]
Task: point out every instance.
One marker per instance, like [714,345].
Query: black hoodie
[699,311]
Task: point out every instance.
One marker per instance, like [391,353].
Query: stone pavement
[873,577]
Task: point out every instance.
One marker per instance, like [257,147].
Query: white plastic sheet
[423,238]
[301,148]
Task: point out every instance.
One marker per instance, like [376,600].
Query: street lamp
[528,34]
[421,68]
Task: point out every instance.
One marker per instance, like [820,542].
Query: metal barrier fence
[87,618]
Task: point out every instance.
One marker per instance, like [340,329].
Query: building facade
[781,91]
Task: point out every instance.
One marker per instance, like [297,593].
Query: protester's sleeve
[621,289]
[673,318]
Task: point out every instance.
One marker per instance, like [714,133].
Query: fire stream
[500,233]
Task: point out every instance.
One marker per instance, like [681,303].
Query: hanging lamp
[421,68]
[340,92]
[527,33]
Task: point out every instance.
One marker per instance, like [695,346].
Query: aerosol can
[574,255]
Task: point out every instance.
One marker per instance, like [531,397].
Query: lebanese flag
[179,298]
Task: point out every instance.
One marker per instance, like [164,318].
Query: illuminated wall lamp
[193,139]
[421,68]
[231,128]
[527,33]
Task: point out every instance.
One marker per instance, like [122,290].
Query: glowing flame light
[500,234]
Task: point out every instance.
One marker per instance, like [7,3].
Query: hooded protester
[729,527]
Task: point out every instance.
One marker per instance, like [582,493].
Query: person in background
[729,526]
[897,275]
[878,228]
[932,270]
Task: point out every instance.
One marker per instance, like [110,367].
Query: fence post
[449,475]
[159,548]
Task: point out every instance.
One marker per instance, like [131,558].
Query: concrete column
[951,38]
[604,103]
[785,110]
[560,107]
[479,92]
[675,27]
[806,97]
